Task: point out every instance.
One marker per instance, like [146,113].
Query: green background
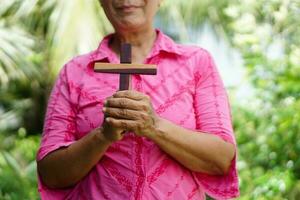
[38,36]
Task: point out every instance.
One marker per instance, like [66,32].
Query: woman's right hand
[111,133]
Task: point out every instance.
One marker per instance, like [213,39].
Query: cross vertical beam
[125,55]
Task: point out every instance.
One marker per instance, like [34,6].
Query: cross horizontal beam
[125,68]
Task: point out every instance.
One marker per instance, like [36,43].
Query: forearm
[66,166]
[199,152]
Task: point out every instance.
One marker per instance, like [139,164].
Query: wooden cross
[125,69]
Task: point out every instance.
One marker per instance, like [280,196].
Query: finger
[107,99]
[121,113]
[130,94]
[125,124]
[126,103]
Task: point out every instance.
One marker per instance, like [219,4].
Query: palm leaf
[188,18]
[15,50]
[13,164]
[75,27]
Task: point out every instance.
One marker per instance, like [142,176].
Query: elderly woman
[179,142]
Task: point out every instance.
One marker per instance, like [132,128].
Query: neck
[141,43]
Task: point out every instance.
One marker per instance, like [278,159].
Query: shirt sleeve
[213,116]
[59,124]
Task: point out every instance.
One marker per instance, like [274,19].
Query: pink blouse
[187,91]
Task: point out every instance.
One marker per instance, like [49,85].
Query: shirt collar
[163,43]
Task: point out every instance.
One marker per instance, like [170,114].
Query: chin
[130,25]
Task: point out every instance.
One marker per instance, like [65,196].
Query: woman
[179,142]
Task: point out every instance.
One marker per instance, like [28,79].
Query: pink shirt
[187,91]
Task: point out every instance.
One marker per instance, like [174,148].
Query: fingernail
[107,119]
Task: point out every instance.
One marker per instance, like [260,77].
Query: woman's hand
[111,133]
[131,111]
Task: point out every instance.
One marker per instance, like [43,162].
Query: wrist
[101,137]
[158,129]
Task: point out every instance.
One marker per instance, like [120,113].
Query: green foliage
[265,32]
[267,157]
[31,36]
[18,178]
[268,127]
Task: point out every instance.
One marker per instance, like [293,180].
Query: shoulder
[81,61]
[78,66]
[167,44]
[193,52]
[196,57]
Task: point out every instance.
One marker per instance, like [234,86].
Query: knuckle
[116,94]
[123,93]
[123,112]
[144,107]
[122,103]
[143,116]
[111,112]
[127,94]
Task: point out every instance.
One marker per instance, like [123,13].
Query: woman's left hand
[132,111]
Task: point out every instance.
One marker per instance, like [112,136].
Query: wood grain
[125,68]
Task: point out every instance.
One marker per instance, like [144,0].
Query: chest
[171,92]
